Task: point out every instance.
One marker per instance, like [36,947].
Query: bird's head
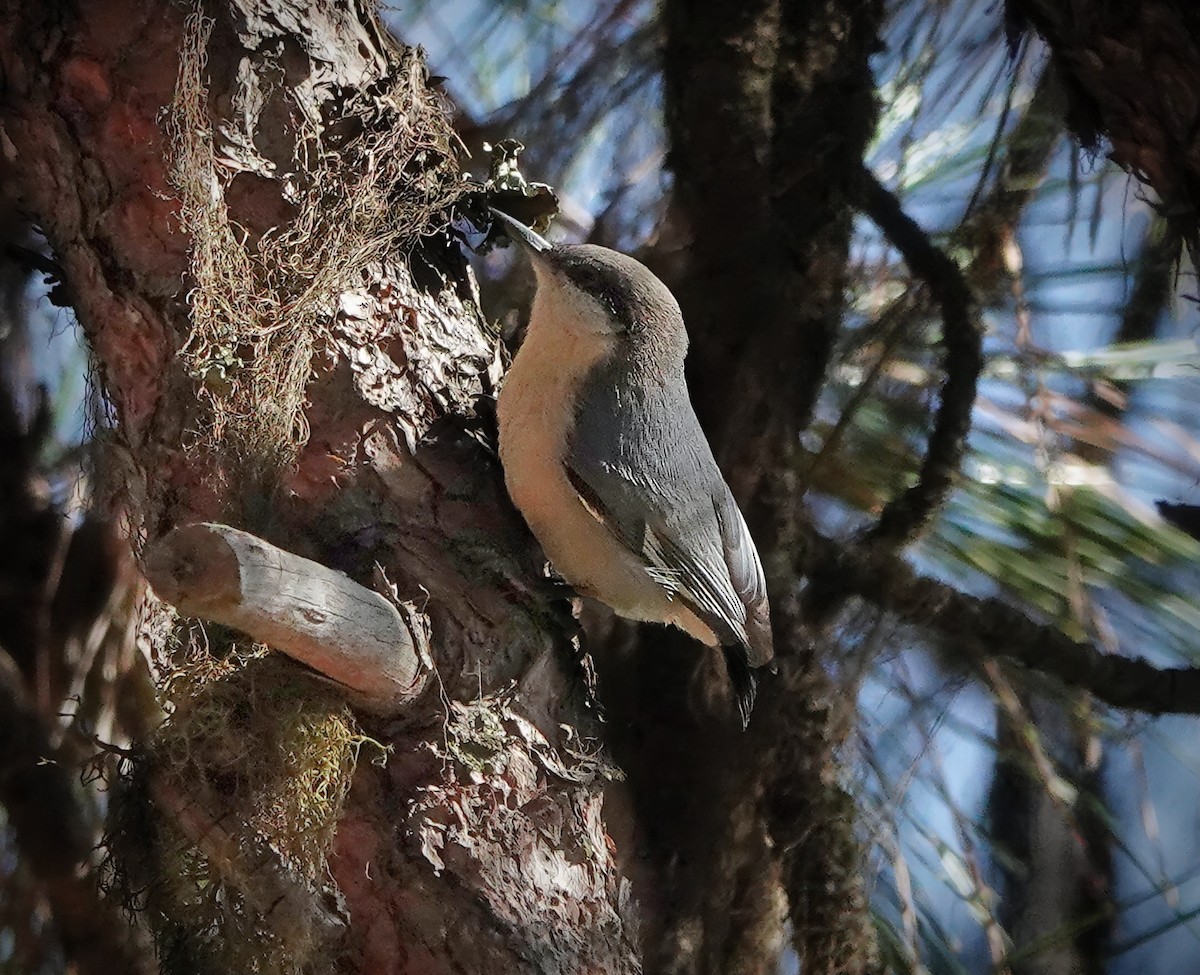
[598,292]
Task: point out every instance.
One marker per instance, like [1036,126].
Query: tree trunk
[769,109]
[250,203]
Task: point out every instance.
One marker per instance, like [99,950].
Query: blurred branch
[993,152]
[988,223]
[769,108]
[815,828]
[1058,911]
[556,116]
[905,517]
[36,792]
[1153,283]
[45,812]
[1185,517]
[51,832]
[994,629]
[767,124]
[1153,275]
[717,66]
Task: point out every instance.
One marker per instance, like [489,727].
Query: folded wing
[646,468]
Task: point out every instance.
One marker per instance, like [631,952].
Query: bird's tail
[745,684]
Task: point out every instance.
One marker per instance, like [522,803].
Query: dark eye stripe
[603,285]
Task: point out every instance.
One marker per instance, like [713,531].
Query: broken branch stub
[321,618]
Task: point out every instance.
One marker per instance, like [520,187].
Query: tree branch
[905,517]
[346,632]
[995,629]
[769,107]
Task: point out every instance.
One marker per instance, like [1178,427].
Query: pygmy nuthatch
[604,456]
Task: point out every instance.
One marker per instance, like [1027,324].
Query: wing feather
[641,462]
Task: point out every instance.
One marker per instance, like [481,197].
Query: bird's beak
[529,240]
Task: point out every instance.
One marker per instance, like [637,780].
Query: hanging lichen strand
[373,168]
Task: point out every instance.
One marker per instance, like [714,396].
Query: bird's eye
[619,314]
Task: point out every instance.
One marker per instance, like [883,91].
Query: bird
[605,459]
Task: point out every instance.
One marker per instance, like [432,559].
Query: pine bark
[480,845]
